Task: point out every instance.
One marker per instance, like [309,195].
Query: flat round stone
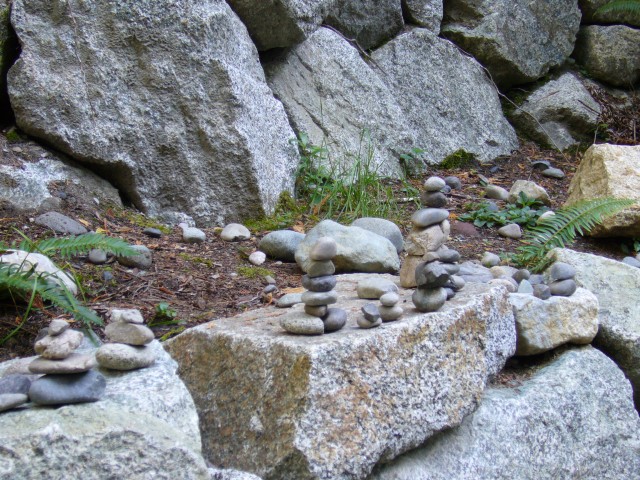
[448,255]
[118,356]
[319,298]
[334,320]
[325,248]
[433,199]
[129,333]
[561,271]
[429,216]
[512,230]
[67,389]
[370,312]
[364,323]
[320,268]
[373,288]
[429,300]
[319,284]
[390,314]
[289,300]
[142,260]
[316,310]
[490,260]
[152,232]
[389,299]
[302,324]
[12,400]
[235,232]
[74,363]
[563,288]
[434,184]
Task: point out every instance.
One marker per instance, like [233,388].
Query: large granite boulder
[283,23]
[338,99]
[589,15]
[560,113]
[165,98]
[359,250]
[35,185]
[368,22]
[145,426]
[573,418]
[610,171]
[615,284]
[424,13]
[543,325]
[330,407]
[517,40]
[610,54]
[446,97]
[8,53]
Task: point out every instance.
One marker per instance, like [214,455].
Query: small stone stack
[319,282]
[430,232]
[449,259]
[560,278]
[129,349]
[370,316]
[430,294]
[389,308]
[68,377]
[433,195]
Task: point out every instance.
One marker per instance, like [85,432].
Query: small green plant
[459,159]
[629,7]
[412,162]
[254,272]
[632,247]
[561,229]
[23,283]
[284,216]
[164,315]
[524,212]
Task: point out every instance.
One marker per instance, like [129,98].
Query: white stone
[42,266]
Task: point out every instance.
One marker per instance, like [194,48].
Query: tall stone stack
[319,282]
[68,376]
[129,337]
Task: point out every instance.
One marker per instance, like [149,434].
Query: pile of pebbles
[129,339]
[558,280]
[319,283]
[67,376]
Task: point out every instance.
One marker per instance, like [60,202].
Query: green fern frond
[561,229]
[70,246]
[619,6]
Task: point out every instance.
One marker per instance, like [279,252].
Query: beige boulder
[610,171]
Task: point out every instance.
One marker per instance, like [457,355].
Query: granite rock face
[572,419]
[145,426]
[425,13]
[332,406]
[560,114]
[451,104]
[165,98]
[517,40]
[610,54]
[283,23]
[358,250]
[543,325]
[610,171]
[619,313]
[327,89]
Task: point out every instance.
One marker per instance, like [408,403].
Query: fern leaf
[561,229]
[70,246]
[631,7]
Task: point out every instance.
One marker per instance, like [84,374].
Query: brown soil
[205,281]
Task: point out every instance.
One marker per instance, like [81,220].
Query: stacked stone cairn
[129,349]
[388,311]
[436,280]
[319,283]
[68,376]
[558,280]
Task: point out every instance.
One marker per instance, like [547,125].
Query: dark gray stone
[334,319]
[429,300]
[370,312]
[453,182]
[451,268]
[319,284]
[542,291]
[315,299]
[431,275]
[67,389]
[541,165]
[429,216]
[152,232]
[553,173]
[60,223]
[522,274]
[563,288]
[561,271]
[536,279]
[142,260]
[15,383]
[433,199]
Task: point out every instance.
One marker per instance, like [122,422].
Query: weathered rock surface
[327,90]
[42,265]
[369,22]
[145,426]
[8,53]
[518,41]
[610,54]
[332,406]
[283,23]
[589,8]
[571,419]
[543,325]
[610,171]
[150,87]
[359,250]
[31,185]
[452,94]
[619,314]
[425,13]
[561,113]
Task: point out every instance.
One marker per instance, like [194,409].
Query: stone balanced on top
[129,349]
[68,376]
[320,281]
